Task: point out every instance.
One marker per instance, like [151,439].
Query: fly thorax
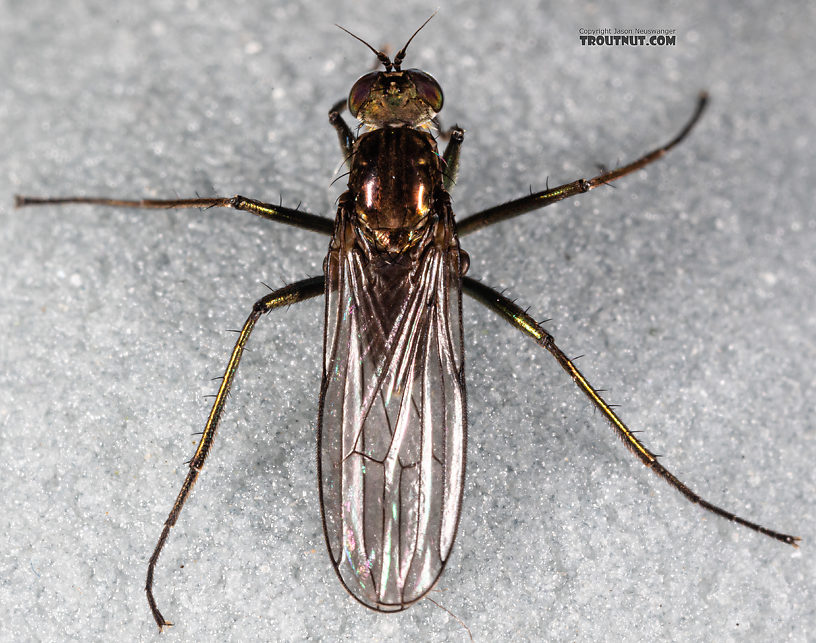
[394,178]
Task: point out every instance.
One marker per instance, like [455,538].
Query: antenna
[381,56]
[385,60]
[401,53]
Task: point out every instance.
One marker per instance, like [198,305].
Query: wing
[392,424]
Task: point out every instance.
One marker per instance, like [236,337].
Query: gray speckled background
[689,288]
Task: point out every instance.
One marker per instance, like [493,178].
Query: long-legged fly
[392,421]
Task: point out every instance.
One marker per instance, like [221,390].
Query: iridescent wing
[392,424]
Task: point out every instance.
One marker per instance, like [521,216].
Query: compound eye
[427,88]
[360,91]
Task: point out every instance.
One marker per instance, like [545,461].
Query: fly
[392,421]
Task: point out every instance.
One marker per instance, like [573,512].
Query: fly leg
[344,133]
[450,165]
[292,294]
[269,211]
[547,197]
[517,317]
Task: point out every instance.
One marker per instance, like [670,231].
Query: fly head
[394,97]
